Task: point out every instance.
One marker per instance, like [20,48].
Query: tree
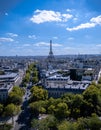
[92,96]
[14,98]
[82,123]
[35,123]
[68,99]
[37,108]
[66,125]
[93,83]
[34,109]
[94,122]
[48,123]
[99,82]
[61,111]
[51,121]
[76,106]
[11,110]
[53,101]
[6,126]
[38,93]
[99,87]
[91,123]
[51,109]
[1,109]
[63,125]
[35,79]
[35,73]
[17,90]
[27,77]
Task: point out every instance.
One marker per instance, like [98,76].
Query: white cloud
[55,37]
[82,26]
[12,34]
[65,17]
[32,36]
[47,44]
[96,20]
[42,16]
[93,22]
[4,39]
[41,44]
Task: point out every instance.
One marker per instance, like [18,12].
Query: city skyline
[26,28]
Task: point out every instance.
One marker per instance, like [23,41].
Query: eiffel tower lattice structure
[50,57]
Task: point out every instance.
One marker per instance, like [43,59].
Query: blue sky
[26,27]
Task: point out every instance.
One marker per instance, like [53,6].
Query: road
[23,121]
[98,77]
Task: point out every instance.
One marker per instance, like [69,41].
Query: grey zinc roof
[9,75]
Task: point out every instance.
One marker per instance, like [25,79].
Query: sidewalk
[9,121]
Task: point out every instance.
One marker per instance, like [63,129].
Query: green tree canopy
[92,96]
[38,93]
[17,90]
[91,123]
[1,109]
[99,80]
[47,123]
[14,98]
[66,125]
[61,111]
[11,110]
[37,107]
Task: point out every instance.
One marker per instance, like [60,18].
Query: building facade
[4,91]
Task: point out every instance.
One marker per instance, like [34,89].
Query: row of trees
[31,75]
[34,73]
[69,106]
[12,106]
[51,123]
[15,96]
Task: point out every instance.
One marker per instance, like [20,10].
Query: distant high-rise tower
[50,56]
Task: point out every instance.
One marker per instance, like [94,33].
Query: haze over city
[50,64]
[26,27]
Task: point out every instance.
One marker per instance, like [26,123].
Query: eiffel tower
[50,56]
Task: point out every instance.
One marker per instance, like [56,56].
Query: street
[23,121]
